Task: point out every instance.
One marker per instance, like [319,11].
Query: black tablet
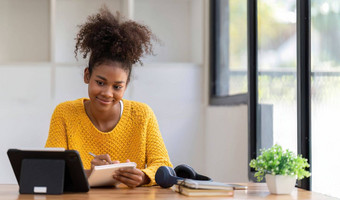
[74,179]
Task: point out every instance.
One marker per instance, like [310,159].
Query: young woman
[114,129]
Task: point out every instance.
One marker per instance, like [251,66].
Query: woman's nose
[107,92]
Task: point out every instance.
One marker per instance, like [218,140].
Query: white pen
[92,154]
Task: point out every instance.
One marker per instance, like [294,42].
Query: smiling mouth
[102,101]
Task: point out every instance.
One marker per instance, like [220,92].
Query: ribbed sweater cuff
[151,174]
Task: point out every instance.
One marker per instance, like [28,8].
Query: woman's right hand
[103,159]
[100,160]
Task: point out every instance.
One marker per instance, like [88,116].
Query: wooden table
[254,191]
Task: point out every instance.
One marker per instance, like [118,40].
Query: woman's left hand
[132,177]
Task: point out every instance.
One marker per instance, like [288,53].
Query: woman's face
[106,85]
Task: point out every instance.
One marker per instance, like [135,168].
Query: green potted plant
[280,168]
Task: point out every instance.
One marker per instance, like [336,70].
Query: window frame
[252,84]
[304,84]
[215,100]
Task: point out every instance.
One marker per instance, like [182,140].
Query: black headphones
[167,177]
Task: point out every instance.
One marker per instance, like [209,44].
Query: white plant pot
[280,184]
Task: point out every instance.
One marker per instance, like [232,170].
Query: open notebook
[103,175]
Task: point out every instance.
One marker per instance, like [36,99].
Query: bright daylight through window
[277,86]
[325,94]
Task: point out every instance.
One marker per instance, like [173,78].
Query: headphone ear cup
[166,177]
[185,171]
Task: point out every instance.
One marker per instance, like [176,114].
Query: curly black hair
[107,37]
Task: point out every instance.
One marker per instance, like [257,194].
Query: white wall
[24,33]
[70,14]
[170,22]
[226,140]
[25,110]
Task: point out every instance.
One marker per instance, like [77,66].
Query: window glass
[325,95]
[231,47]
[277,82]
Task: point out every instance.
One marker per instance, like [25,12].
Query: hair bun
[112,37]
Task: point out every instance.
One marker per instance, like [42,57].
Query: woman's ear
[86,75]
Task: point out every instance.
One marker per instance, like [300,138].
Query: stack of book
[191,187]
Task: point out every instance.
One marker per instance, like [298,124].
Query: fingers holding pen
[103,159]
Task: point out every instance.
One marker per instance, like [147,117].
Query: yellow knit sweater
[135,137]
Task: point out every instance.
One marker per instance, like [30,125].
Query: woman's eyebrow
[103,78]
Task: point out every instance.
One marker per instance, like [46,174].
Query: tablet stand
[42,176]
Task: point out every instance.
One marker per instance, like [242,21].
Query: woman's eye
[100,83]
